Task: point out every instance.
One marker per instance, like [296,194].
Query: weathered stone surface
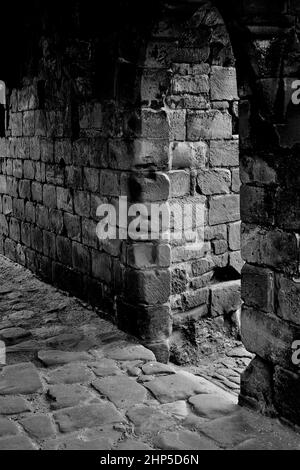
[130,444]
[178,409]
[13,405]
[66,396]
[257,385]
[38,426]
[229,430]
[105,367]
[224,153]
[188,154]
[20,378]
[156,368]
[13,335]
[148,420]
[213,406]
[87,416]
[224,209]
[122,391]
[176,387]
[288,299]
[268,336]
[212,124]
[16,443]
[7,428]
[70,374]
[223,83]
[225,297]
[214,181]
[258,287]
[129,353]
[54,357]
[184,440]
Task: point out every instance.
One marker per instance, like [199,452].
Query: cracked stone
[21,378]
[52,357]
[13,405]
[129,353]
[122,391]
[70,374]
[66,396]
[16,443]
[179,386]
[184,440]
[38,426]
[22,315]
[87,416]
[156,368]
[213,406]
[148,420]
[105,367]
[7,428]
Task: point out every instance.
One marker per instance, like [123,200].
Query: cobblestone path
[74,381]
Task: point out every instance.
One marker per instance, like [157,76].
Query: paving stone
[70,374]
[7,428]
[13,405]
[149,420]
[268,443]
[129,353]
[105,367]
[179,409]
[80,444]
[229,430]
[87,416]
[213,406]
[21,378]
[184,440]
[22,315]
[122,391]
[38,426]
[156,368]
[53,357]
[13,335]
[179,386]
[66,396]
[131,444]
[16,443]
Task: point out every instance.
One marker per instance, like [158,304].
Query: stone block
[64,199]
[25,189]
[37,239]
[223,209]
[258,287]
[268,336]
[288,298]
[214,181]
[148,255]
[64,250]
[72,225]
[188,154]
[224,153]
[101,266]
[82,203]
[212,124]
[225,298]
[149,187]
[49,196]
[148,287]
[81,258]
[89,236]
[223,83]
[29,169]
[234,236]
[257,386]
[287,393]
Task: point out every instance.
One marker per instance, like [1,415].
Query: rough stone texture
[20,378]
[74,415]
[121,391]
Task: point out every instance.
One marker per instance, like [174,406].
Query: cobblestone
[84,395]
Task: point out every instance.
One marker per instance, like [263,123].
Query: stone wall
[189,88]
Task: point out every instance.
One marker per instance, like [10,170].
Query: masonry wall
[189,88]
